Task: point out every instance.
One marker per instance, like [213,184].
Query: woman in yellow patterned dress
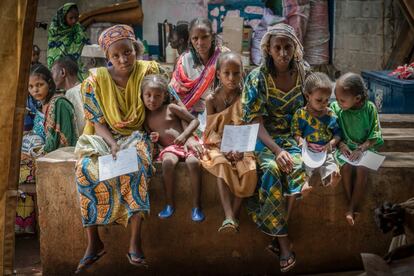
[272,93]
[115,115]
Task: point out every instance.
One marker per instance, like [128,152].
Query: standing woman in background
[66,37]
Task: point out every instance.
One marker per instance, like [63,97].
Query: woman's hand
[114,149]
[284,161]
[154,136]
[194,145]
[180,140]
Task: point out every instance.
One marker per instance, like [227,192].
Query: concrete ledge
[323,240]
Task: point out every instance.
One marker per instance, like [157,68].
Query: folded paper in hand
[126,162]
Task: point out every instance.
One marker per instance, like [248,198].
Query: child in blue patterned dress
[317,124]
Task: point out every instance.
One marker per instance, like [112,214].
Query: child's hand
[300,143]
[345,150]
[229,156]
[328,147]
[356,154]
[154,136]
[114,149]
[237,156]
[180,140]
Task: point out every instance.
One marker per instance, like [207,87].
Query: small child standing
[164,122]
[358,119]
[317,124]
[235,172]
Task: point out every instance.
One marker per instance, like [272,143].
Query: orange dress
[240,177]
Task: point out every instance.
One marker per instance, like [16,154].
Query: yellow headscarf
[123,109]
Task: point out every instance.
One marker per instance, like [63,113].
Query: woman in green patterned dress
[271,95]
[66,36]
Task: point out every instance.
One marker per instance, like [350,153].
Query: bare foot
[350,218]
[306,188]
[335,178]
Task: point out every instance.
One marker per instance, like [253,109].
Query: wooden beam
[17,19]
[401,54]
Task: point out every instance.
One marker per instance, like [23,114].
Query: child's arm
[104,132]
[186,116]
[296,129]
[332,143]
[210,105]
[154,136]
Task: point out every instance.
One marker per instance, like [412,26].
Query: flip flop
[88,261]
[228,226]
[140,262]
[288,266]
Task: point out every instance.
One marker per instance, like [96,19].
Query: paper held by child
[126,162]
[369,159]
[239,138]
[311,158]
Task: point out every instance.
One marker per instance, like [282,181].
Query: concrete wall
[365,32]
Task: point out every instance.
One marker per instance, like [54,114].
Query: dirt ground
[27,261]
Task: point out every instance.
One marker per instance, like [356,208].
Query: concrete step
[397,120]
[398,139]
[323,241]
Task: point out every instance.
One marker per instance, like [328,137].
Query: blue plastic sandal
[167,212]
[197,215]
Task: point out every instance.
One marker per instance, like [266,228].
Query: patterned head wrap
[115,33]
[285,30]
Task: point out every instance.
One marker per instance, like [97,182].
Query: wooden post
[17,19]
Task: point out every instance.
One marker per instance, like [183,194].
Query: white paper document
[126,162]
[368,159]
[239,138]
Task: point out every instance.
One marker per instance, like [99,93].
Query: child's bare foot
[335,178]
[350,217]
[306,188]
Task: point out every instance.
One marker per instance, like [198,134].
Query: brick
[352,9]
[372,9]
[372,44]
[353,42]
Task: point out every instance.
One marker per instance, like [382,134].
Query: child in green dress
[361,131]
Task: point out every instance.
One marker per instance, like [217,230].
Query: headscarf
[285,30]
[64,40]
[124,112]
[115,33]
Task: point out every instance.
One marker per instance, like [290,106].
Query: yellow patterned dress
[261,97]
[121,109]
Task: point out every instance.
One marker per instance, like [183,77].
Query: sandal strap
[135,255]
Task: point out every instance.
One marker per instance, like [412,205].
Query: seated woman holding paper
[316,130]
[115,116]
[272,93]
[235,171]
[358,119]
